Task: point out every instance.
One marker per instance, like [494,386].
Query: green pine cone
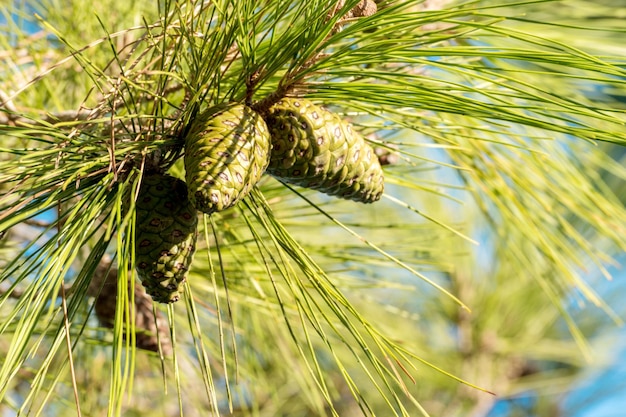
[315,148]
[165,236]
[226,152]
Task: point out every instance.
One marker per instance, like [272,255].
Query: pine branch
[298,302]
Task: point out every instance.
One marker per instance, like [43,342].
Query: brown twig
[291,81]
[364,8]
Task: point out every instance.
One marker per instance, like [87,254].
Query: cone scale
[315,148]
[165,236]
[226,152]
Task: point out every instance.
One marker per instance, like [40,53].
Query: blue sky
[601,390]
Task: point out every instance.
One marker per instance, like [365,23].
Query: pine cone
[226,152]
[165,237]
[314,148]
[150,330]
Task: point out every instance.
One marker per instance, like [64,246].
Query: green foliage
[298,303]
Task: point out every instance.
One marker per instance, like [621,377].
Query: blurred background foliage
[501,126]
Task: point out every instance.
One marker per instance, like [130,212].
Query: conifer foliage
[218,153]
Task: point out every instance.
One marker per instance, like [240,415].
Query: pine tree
[298,302]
